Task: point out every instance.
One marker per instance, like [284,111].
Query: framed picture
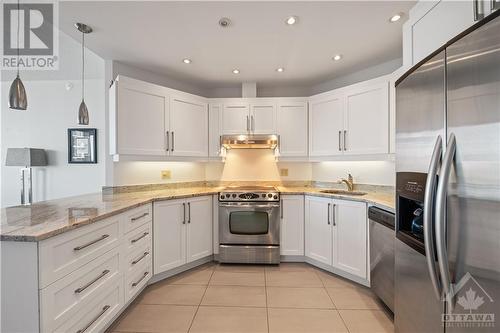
[82,145]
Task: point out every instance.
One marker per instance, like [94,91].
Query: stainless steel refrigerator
[447,266]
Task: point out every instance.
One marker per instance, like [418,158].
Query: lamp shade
[28,157]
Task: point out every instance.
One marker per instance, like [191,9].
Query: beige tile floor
[291,297]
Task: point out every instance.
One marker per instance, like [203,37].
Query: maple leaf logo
[470,301]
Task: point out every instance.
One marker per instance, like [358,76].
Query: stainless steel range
[249,225]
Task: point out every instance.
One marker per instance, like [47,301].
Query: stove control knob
[227,195]
[234,195]
[222,197]
[264,195]
[275,197]
[270,195]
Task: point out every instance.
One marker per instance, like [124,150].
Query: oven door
[249,223]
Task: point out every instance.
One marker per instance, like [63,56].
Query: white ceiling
[157,35]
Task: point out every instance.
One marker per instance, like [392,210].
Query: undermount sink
[345,192]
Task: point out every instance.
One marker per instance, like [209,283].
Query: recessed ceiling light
[292,20]
[236,71]
[280,70]
[337,57]
[395,17]
[186,61]
[224,22]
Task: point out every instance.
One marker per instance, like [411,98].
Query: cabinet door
[326,123]
[189,127]
[169,235]
[452,17]
[292,225]
[318,229]
[292,128]
[263,117]
[140,118]
[349,237]
[199,230]
[214,115]
[235,119]
[367,120]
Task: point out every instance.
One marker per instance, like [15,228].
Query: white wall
[363,172]
[52,109]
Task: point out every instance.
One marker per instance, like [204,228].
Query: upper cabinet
[252,116]
[235,118]
[420,35]
[353,120]
[147,119]
[292,127]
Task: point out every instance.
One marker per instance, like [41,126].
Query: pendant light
[17,93]
[83,112]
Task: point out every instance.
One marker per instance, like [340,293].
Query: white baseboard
[180,269]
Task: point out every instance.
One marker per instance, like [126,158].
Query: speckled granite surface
[50,218]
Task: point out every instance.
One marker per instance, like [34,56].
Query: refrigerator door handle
[430,189]
[440,225]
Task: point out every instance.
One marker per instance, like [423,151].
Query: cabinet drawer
[63,254]
[97,314]
[137,278]
[137,217]
[138,238]
[63,297]
[138,257]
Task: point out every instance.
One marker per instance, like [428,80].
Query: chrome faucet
[349,182]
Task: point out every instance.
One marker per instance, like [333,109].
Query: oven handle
[239,205]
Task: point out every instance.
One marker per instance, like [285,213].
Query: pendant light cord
[83,65]
[18,19]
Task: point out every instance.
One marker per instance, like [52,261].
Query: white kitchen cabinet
[182,232]
[169,237]
[318,229]
[292,119]
[366,120]
[214,116]
[188,127]
[147,119]
[292,225]
[263,117]
[350,237]
[326,125]
[139,118]
[235,118]
[199,228]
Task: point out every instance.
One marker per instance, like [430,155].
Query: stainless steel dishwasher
[382,235]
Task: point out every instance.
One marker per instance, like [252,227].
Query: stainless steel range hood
[249,141]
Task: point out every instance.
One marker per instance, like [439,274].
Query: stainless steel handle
[88,284]
[139,238]
[345,140]
[430,189]
[340,140]
[494,5]
[172,141]
[333,215]
[139,217]
[104,309]
[475,8]
[281,208]
[189,212]
[184,213]
[168,140]
[140,258]
[440,226]
[81,247]
[248,123]
[139,281]
[252,124]
[279,142]
[329,204]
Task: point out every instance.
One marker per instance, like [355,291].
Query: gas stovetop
[249,193]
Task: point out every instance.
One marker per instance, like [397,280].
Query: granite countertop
[46,219]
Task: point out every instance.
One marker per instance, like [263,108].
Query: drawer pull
[140,258]
[104,309]
[139,217]
[139,238]
[81,247]
[79,290]
[139,281]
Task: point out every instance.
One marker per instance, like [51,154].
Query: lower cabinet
[336,234]
[292,225]
[182,232]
